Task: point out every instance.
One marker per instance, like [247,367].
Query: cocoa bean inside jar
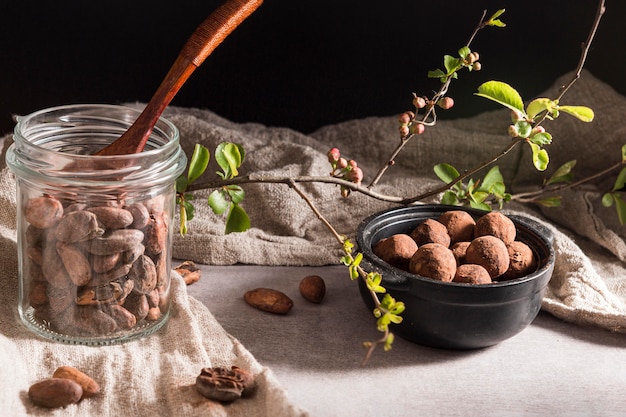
[94,232]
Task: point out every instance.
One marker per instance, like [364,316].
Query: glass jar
[94,232]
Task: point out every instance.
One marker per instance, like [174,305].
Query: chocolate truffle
[489,252]
[435,261]
[396,250]
[431,231]
[458,250]
[472,274]
[521,261]
[495,224]
[460,225]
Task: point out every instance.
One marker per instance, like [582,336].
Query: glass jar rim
[22,121]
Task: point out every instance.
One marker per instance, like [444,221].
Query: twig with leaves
[526,128]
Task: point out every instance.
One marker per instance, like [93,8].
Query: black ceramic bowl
[455,315]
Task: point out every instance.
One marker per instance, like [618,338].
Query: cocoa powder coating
[489,252]
[472,274]
[460,225]
[521,260]
[431,231]
[435,261]
[496,224]
[396,250]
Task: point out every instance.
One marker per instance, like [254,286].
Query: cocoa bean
[120,240]
[164,296]
[43,212]
[155,235]
[35,272]
[53,269]
[266,299]
[153,298]
[55,392]
[89,386]
[35,254]
[93,321]
[130,256]
[76,263]
[127,288]
[137,304]
[189,271]
[143,272]
[38,293]
[104,263]
[112,275]
[163,269]
[125,319]
[140,214]
[78,226]
[112,217]
[154,313]
[33,235]
[60,299]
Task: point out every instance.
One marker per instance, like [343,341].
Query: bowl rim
[403,278]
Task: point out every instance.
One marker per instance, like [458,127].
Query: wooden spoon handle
[211,32]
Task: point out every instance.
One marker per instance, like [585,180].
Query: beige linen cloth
[153,376]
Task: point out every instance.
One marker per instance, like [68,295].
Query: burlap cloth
[153,376]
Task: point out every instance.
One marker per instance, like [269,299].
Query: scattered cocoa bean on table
[267,299]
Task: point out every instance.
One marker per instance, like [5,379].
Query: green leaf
[451,63]
[550,202]
[388,342]
[446,172]
[190,210]
[436,74]
[541,139]
[580,112]
[218,202]
[236,193]
[498,189]
[464,52]
[449,198]
[373,281]
[181,184]
[623,153]
[620,181]
[503,94]
[183,221]
[523,128]
[540,157]
[480,206]
[620,206]
[198,163]
[607,199]
[229,157]
[494,21]
[479,196]
[537,106]
[563,173]
[237,220]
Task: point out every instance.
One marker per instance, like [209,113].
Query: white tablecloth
[552,368]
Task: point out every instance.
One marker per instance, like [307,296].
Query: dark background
[301,64]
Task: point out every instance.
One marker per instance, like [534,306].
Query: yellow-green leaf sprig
[526,121]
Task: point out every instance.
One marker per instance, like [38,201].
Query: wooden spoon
[202,42]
